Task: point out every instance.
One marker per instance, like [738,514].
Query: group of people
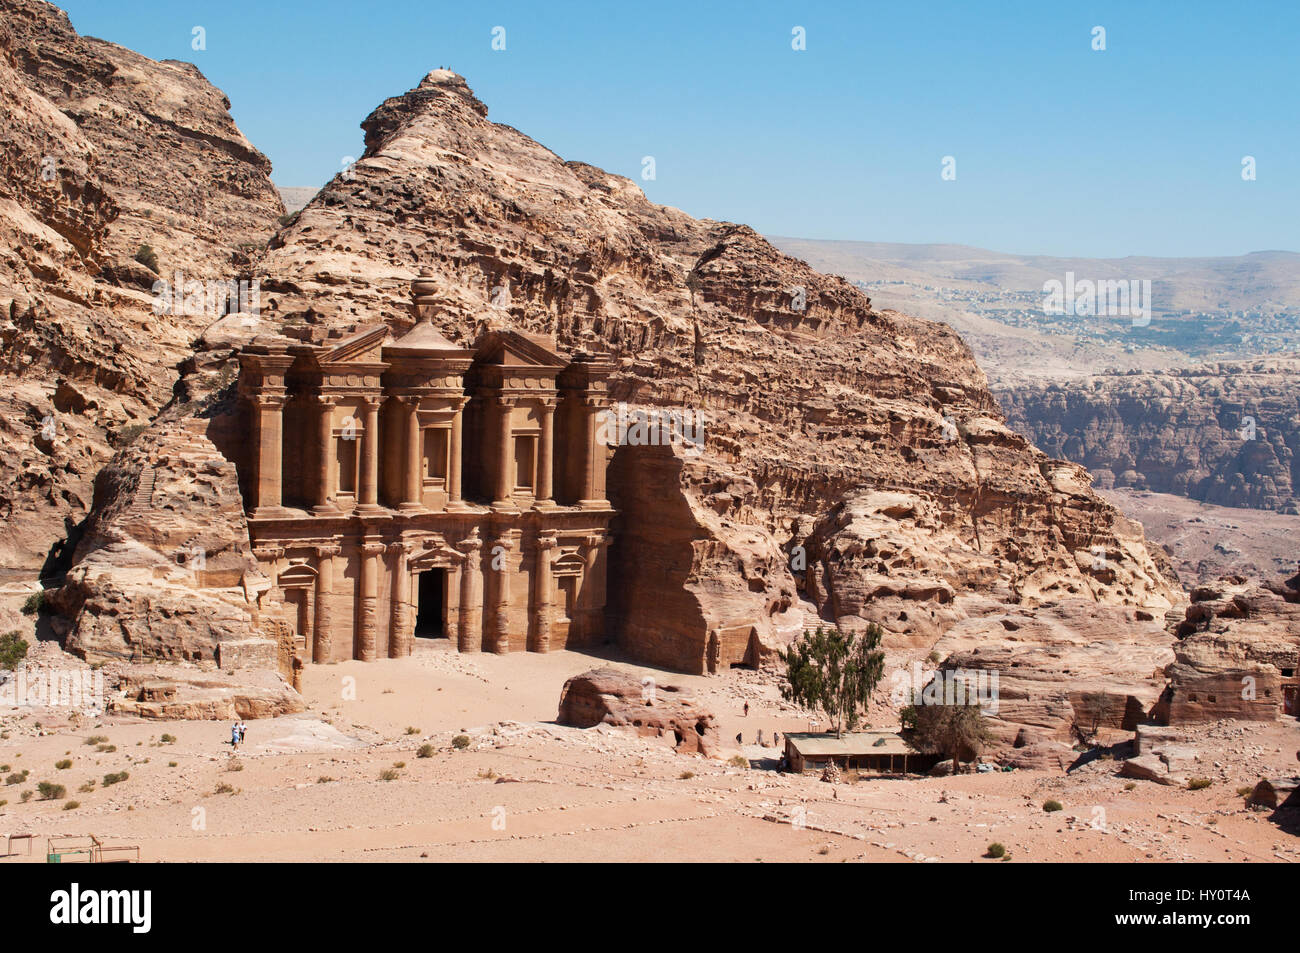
[237,733]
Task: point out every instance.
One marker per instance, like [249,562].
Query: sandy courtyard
[309,787]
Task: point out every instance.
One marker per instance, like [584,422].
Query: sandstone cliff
[1224,433]
[104,151]
[809,395]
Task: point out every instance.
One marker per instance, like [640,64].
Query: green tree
[957,731]
[835,673]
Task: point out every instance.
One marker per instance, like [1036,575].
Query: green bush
[17,777]
[1198,784]
[424,751]
[1050,806]
[13,647]
[739,761]
[71,805]
[167,740]
[995,850]
[146,256]
[389,774]
[1246,790]
[460,742]
[117,778]
[50,791]
[412,730]
[96,739]
[63,765]
[33,604]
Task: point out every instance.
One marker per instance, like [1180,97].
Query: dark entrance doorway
[429,617]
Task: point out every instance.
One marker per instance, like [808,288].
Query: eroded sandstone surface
[104,151]
[810,396]
[1225,433]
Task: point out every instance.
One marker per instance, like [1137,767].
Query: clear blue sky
[1059,149]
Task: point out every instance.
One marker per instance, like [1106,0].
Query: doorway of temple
[430,611]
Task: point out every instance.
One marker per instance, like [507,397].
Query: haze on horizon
[1059,148]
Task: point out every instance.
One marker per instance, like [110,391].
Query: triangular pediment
[363,346]
[511,348]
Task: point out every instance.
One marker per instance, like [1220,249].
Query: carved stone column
[546,544]
[499,565]
[368,600]
[268,459]
[369,497]
[469,629]
[505,455]
[592,484]
[593,587]
[325,470]
[402,634]
[545,456]
[413,498]
[454,461]
[322,648]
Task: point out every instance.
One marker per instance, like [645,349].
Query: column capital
[325,552]
[547,540]
[264,401]
[401,548]
[373,549]
[327,400]
[471,543]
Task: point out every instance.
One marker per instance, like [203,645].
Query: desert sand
[308,787]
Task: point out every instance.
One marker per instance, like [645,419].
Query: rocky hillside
[1226,433]
[811,397]
[104,151]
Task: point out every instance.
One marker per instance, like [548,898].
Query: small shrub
[106,749]
[460,742]
[1245,790]
[324,779]
[389,774]
[13,647]
[234,764]
[63,765]
[1130,786]
[146,256]
[424,751]
[686,775]
[739,761]
[25,796]
[171,764]
[87,787]
[412,730]
[1050,806]
[51,791]
[118,778]
[34,603]
[1198,784]
[995,850]
[223,788]
[167,739]
[17,778]
[71,805]
[97,739]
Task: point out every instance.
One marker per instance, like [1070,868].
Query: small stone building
[881,752]
[409,488]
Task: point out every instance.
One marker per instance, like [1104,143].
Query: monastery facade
[413,489]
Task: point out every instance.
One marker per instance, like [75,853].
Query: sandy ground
[308,787]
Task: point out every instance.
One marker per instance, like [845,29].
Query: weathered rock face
[104,151]
[1223,433]
[612,697]
[1064,669]
[1238,653]
[164,569]
[807,393]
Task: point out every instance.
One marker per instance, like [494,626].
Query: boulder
[615,697]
